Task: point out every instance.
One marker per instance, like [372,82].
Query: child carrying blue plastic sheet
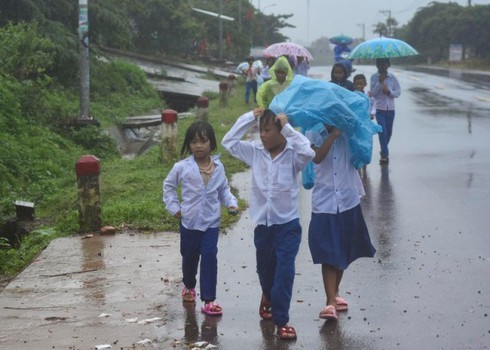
[308,101]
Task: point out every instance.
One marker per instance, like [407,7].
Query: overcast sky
[329,18]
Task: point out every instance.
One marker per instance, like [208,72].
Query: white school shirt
[383,101]
[201,205]
[274,197]
[372,103]
[338,186]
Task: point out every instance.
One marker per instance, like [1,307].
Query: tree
[381,29]
[435,27]
[386,28]
[163,26]
[478,37]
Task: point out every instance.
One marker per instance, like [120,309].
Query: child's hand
[386,91]
[335,132]
[178,215]
[233,210]
[258,112]
[282,118]
[332,130]
[382,77]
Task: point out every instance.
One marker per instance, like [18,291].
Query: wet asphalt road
[426,288]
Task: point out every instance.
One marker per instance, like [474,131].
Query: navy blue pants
[198,245]
[276,250]
[385,119]
[250,86]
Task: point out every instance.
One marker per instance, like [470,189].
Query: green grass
[130,192]
[131,189]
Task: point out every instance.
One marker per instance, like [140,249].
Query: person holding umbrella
[384,88]
[341,49]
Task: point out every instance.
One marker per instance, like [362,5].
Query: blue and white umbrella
[382,48]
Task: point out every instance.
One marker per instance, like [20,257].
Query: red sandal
[286,332]
[265,309]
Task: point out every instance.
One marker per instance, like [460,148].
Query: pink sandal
[212,309]
[188,295]
[329,313]
[341,304]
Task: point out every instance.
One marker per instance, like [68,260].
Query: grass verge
[130,190]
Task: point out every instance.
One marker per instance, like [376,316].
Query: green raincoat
[268,90]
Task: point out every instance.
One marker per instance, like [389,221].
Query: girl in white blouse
[204,189]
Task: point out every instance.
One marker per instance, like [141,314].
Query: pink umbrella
[287,48]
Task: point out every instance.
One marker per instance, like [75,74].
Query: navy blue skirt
[339,239]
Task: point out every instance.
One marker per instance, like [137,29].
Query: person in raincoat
[281,75]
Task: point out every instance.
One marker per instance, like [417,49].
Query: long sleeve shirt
[338,186]
[251,73]
[372,104]
[201,205]
[385,102]
[274,197]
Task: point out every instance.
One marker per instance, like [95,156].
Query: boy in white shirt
[274,205]
[385,88]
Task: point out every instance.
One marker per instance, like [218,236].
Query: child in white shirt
[204,189]
[274,205]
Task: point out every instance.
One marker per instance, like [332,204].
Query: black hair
[341,66]
[269,117]
[360,77]
[383,60]
[204,131]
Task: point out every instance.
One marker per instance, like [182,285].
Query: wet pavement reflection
[93,250]
[426,287]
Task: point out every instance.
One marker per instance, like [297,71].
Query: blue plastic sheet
[308,101]
[308,176]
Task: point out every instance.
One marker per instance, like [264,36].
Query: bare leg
[340,273]
[329,274]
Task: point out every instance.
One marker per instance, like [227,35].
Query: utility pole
[220,30]
[363,26]
[84,55]
[308,22]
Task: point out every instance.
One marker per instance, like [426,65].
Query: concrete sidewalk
[80,293]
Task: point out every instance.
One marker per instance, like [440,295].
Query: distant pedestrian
[360,82]
[339,74]
[264,72]
[302,66]
[251,73]
[341,52]
[281,76]
[337,234]
[274,205]
[204,188]
[385,88]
